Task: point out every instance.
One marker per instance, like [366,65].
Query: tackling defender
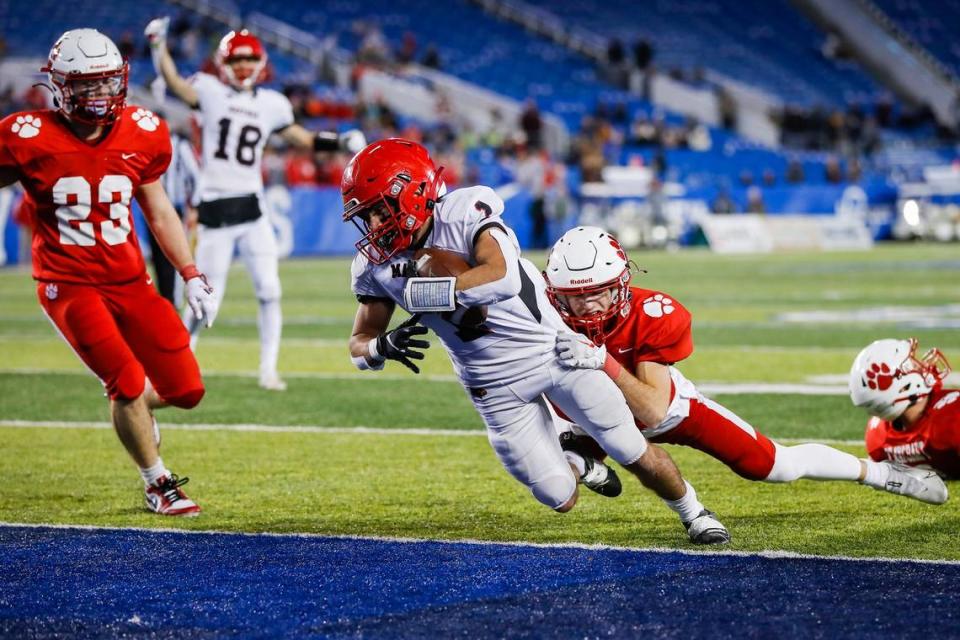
[237,118]
[81,164]
[636,335]
[915,421]
[504,358]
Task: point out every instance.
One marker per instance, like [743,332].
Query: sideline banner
[753,233]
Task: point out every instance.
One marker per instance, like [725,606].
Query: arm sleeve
[506,287]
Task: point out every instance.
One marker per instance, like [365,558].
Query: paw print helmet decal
[589,260]
[887,377]
[88,76]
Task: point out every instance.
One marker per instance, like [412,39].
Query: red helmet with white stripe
[241,47]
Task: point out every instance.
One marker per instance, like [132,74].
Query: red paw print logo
[618,249]
[879,376]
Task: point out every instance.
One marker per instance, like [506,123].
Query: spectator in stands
[431,58]
[532,124]
[642,54]
[300,169]
[755,202]
[833,172]
[768,177]
[795,173]
[723,203]
[407,52]
[373,49]
[531,175]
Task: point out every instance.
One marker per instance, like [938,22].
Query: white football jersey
[519,334]
[236,126]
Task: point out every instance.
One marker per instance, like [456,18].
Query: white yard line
[772,555]
[709,388]
[266,428]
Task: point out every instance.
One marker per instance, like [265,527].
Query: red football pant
[125,334]
[719,432]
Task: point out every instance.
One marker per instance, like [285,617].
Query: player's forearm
[647,403]
[167,68]
[168,230]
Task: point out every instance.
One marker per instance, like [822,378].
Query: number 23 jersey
[83,227]
[235,127]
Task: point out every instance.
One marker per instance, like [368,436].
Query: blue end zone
[134,583]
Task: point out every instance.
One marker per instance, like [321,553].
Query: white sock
[877,474]
[577,461]
[814,462]
[687,507]
[270,323]
[150,475]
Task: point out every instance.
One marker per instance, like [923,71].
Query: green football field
[399,455]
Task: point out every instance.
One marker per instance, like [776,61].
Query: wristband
[372,351]
[611,367]
[190,271]
[326,141]
[425,295]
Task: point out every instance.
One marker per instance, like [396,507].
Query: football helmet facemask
[238,46]
[588,260]
[397,179]
[887,378]
[88,77]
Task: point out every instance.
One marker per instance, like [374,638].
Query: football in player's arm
[915,420]
[636,335]
[503,356]
[238,118]
[81,163]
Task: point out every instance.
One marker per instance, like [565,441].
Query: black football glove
[399,343]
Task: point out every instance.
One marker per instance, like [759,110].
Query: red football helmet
[240,45]
[399,176]
[88,76]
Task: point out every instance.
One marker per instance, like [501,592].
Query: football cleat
[706,529]
[598,477]
[168,499]
[601,479]
[920,484]
[272,382]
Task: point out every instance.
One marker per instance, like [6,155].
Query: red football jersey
[934,440]
[656,330]
[84,226]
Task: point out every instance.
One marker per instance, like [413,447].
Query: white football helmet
[88,76]
[586,260]
[887,378]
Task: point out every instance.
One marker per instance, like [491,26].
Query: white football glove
[576,351]
[201,299]
[156,31]
[352,141]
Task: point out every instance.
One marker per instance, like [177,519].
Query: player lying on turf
[915,421]
[494,320]
[81,164]
[636,335]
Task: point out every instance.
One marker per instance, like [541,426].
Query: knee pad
[129,382]
[188,399]
[624,443]
[555,490]
[269,291]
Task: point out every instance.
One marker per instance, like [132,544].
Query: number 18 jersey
[84,230]
[235,127]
